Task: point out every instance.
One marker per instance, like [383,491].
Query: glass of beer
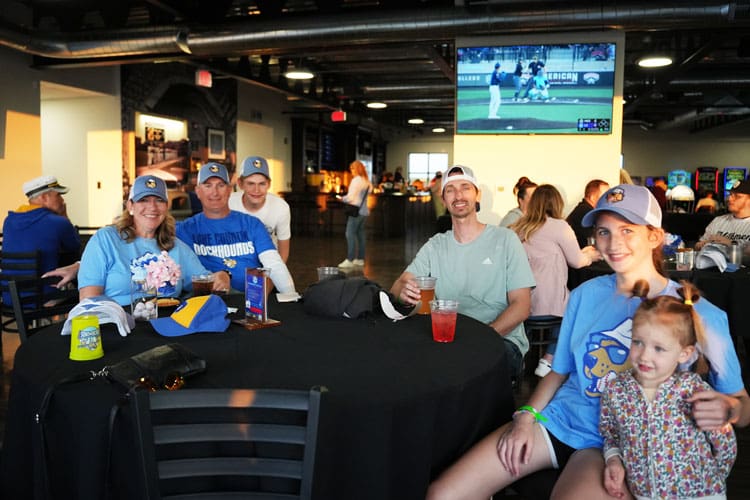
[202,284]
[426,286]
[444,314]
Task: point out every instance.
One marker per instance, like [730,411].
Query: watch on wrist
[229,273]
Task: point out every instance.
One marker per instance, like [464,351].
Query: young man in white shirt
[254,199]
[734,226]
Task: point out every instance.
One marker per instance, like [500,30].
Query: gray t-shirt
[478,274]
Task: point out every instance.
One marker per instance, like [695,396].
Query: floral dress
[665,454]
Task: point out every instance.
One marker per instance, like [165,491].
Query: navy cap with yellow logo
[213,169]
[148,185]
[255,165]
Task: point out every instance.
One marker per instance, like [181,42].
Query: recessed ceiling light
[377,105]
[654,61]
[438,130]
[298,74]
[416,121]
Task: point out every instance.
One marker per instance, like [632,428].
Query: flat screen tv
[535,89]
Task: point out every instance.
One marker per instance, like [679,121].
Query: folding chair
[31,304]
[227,443]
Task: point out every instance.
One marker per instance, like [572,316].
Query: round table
[400,407]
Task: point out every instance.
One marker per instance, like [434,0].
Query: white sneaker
[346,264]
[543,368]
[358,262]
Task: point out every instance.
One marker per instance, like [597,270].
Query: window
[425,165]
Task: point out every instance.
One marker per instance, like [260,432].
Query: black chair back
[31,305]
[227,442]
[16,265]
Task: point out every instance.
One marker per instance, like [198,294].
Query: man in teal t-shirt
[483,267]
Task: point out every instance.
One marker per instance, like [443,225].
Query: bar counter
[315,213]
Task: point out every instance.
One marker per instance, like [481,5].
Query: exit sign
[203,78]
[338,116]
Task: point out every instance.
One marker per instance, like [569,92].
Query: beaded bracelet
[531,410]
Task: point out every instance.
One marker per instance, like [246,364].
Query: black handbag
[155,367]
[351,210]
[165,366]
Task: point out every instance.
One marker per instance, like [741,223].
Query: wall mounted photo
[216,144]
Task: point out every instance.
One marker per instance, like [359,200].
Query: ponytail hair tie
[688,302]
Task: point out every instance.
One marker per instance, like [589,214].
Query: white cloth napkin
[106,309]
[709,256]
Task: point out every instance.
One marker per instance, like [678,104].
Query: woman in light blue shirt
[139,236]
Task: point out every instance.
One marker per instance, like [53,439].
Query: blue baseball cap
[255,165]
[634,203]
[148,185]
[206,313]
[213,169]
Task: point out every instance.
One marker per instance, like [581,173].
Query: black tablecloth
[728,291]
[690,226]
[400,408]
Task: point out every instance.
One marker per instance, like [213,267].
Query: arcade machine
[680,196]
[678,178]
[707,179]
[731,174]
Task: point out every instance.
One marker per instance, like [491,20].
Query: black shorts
[563,452]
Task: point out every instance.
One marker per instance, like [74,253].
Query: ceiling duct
[357,29]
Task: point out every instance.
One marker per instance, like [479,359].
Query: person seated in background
[707,203]
[398,175]
[593,190]
[42,224]
[659,190]
[436,193]
[483,267]
[734,226]
[418,185]
[551,246]
[386,182]
[523,190]
[143,231]
[227,242]
[254,199]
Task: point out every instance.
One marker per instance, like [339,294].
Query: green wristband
[530,409]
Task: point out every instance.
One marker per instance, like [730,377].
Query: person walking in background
[558,428]
[551,247]
[255,200]
[523,190]
[496,78]
[650,437]
[591,193]
[356,194]
[42,224]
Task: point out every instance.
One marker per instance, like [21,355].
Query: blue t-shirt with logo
[109,262]
[232,243]
[593,347]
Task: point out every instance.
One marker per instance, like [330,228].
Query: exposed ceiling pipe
[358,29]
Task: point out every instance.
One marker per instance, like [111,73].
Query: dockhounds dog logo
[606,356]
[615,195]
